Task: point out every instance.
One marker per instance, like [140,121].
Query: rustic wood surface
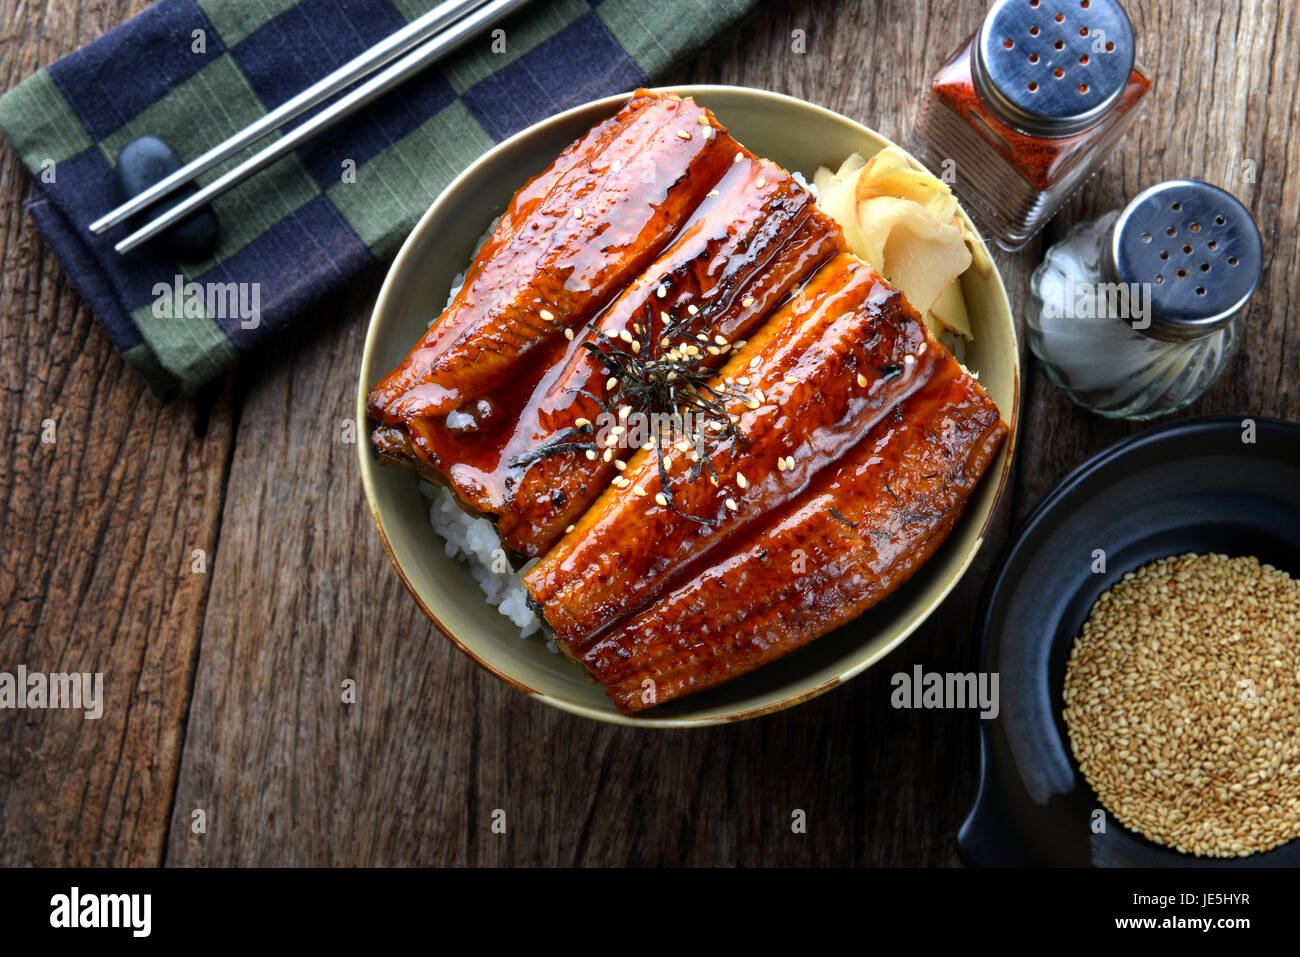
[223,685]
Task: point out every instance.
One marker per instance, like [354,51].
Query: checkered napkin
[195,71]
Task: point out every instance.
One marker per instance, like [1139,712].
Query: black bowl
[1191,486]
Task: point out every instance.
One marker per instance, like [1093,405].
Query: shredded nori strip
[843,519]
[650,384]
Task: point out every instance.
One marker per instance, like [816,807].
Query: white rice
[799,178]
[475,542]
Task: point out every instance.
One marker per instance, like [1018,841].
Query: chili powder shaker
[1135,314]
[1029,108]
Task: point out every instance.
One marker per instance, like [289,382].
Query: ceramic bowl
[797,135]
[1187,486]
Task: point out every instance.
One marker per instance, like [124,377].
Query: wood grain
[299,596]
[99,528]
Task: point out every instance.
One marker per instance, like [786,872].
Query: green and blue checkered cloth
[312,221]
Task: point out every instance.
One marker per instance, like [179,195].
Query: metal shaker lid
[1197,249]
[1052,67]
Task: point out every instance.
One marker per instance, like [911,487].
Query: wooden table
[223,686]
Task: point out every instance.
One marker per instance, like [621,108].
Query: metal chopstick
[416,32]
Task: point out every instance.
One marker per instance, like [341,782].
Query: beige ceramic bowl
[797,135]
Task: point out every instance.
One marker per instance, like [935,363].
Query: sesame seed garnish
[581,422]
[755,362]
[624,411]
[713,192]
[789,462]
[713,351]
[615,166]
[617,430]
[661,499]
[692,310]
[620,465]
[761,182]
[758,393]
[702,337]
[621,482]
[862,380]
[720,340]
[577,212]
[731,504]
[568,334]
[609,454]
[625,336]
[908,359]
[638,491]
[569,529]
[661,291]
[743,380]
[668,463]
[791,380]
[702,120]
[546,314]
[636,347]
[747,302]
[780,464]
[591,456]
[1180,704]
[664,342]
[664,317]
[740,343]
[713,480]
[611,384]
[753,403]
[683,445]
[739,156]
[683,134]
[741,480]
[648,447]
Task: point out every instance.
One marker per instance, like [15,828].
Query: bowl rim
[367,462]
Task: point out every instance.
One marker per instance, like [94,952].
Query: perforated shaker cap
[1053,67]
[1196,247]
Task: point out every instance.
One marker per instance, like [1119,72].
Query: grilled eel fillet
[757,236]
[856,534]
[821,373]
[571,238]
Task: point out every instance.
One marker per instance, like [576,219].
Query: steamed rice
[475,542]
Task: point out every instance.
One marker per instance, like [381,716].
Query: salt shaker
[1029,108]
[1136,313]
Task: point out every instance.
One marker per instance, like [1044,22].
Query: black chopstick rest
[144,161]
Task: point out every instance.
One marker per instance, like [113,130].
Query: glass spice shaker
[1135,314]
[1029,108]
